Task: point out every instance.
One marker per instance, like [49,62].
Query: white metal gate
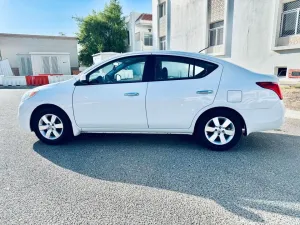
[25,65]
[50,64]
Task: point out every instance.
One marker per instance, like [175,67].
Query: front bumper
[24,115]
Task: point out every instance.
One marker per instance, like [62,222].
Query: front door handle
[130,94]
[204,92]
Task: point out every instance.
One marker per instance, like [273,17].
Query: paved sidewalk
[16,87]
[289,81]
[292,114]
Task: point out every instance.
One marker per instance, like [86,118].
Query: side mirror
[82,80]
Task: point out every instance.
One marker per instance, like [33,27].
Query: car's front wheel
[219,130]
[51,126]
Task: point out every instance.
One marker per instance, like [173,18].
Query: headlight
[29,94]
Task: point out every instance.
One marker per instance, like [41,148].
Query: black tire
[66,132]
[200,129]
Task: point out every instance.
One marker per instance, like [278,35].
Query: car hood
[57,85]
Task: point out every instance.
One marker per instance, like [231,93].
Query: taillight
[271,86]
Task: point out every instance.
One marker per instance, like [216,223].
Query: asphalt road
[146,179]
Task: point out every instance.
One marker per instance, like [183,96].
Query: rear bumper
[264,119]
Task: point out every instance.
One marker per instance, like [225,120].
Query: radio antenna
[203,49]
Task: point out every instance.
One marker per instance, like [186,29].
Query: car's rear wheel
[219,130]
[51,126]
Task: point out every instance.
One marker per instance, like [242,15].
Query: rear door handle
[130,94]
[204,92]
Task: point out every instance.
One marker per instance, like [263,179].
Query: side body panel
[107,106]
[260,108]
[173,104]
[59,94]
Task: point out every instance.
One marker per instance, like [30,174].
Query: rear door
[180,88]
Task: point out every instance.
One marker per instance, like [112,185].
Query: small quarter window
[203,68]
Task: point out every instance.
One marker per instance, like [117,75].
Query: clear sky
[49,17]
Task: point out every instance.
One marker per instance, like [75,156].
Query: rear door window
[176,68]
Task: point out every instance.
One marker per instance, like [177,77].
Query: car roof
[175,53]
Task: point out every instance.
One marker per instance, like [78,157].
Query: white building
[139,27]
[101,56]
[261,35]
[38,54]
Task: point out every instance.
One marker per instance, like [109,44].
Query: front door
[114,97]
[180,89]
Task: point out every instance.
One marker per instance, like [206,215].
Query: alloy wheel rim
[219,130]
[51,126]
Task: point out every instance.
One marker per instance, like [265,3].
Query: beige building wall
[216,9]
[12,45]
[163,26]
[251,32]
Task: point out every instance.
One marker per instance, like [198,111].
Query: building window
[282,72]
[162,10]
[162,43]
[295,74]
[216,31]
[148,40]
[290,20]
[128,38]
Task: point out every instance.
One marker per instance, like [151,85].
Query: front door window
[124,70]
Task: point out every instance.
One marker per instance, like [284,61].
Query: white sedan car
[157,92]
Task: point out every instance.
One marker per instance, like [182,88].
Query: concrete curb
[292,114]
[17,87]
[289,82]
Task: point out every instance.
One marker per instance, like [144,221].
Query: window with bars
[290,20]
[148,39]
[128,38]
[162,43]
[162,10]
[216,31]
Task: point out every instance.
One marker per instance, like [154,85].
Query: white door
[64,64]
[114,96]
[181,88]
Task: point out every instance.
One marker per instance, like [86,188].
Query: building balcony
[287,43]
